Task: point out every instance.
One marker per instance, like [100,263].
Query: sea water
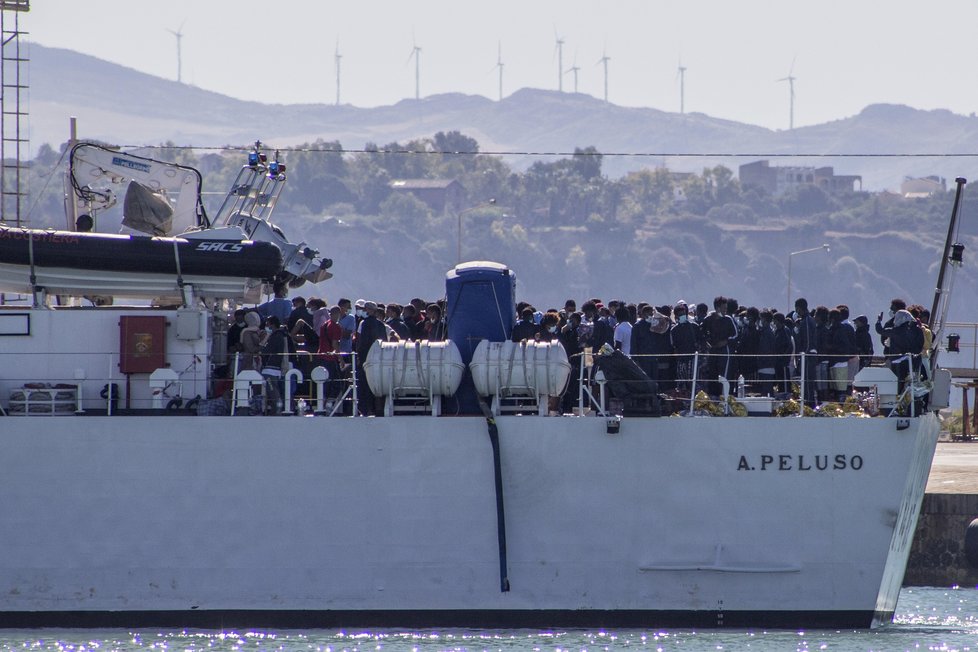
[927,619]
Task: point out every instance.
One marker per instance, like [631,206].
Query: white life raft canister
[520,368]
[414,368]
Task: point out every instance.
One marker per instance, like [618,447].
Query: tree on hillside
[411,160]
[587,162]
[807,200]
[406,211]
[643,194]
[490,178]
[454,165]
[369,181]
[317,177]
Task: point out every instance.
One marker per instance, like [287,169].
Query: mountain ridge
[117,104]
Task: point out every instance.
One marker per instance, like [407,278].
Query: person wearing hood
[250,342]
[904,340]
[864,341]
[647,340]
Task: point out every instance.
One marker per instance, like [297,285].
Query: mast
[940,292]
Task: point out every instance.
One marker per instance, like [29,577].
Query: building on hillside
[778,180]
[441,195]
[913,187]
[678,189]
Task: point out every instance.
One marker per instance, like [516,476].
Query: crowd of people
[762,346]
[304,333]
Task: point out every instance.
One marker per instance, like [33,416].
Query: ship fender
[971,544]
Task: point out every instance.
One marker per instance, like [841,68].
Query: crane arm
[98,174]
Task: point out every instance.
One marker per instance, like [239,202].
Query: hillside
[566,229]
[117,104]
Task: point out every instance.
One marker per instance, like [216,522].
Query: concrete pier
[937,557]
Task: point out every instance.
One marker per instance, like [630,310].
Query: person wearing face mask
[435,330]
[250,342]
[359,312]
[687,339]
[549,330]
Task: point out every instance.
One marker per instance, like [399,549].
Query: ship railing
[101,382]
[306,383]
[107,382]
[104,382]
[704,383]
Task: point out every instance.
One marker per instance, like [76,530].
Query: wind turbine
[179,35]
[559,51]
[681,75]
[416,53]
[791,89]
[499,65]
[336,58]
[574,69]
[605,59]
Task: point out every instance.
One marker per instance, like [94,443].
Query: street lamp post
[458,250]
[795,253]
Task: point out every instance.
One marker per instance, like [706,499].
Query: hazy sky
[846,53]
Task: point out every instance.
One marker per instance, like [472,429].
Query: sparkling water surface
[927,619]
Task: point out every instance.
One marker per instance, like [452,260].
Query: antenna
[605,59]
[574,69]
[416,53]
[336,57]
[791,90]
[179,35]
[559,51]
[681,75]
[499,65]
